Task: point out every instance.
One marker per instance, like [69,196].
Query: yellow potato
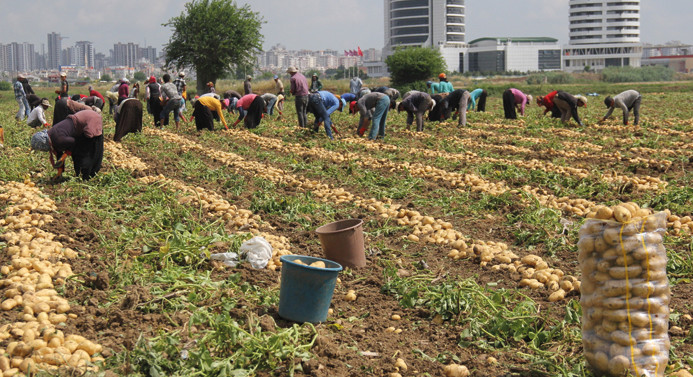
[622,214]
[318,264]
[618,365]
[557,296]
[622,338]
[604,213]
[601,361]
[631,272]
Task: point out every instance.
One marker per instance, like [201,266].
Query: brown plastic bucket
[342,242]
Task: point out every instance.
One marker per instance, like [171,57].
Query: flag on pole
[346,53]
[360,52]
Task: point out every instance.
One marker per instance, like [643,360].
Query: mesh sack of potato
[625,292]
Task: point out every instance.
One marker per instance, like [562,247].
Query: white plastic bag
[257,251]
[228,259]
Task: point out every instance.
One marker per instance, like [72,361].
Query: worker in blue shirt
[322,104]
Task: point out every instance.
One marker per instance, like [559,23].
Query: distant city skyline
[304,24]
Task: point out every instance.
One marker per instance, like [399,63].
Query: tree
[139,76]
[408,65]
[213,37]
[106,77]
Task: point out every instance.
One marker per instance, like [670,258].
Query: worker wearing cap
[315,84]
[247,87]
[37,118]
[626,101]
[299,88]
[568,104]
[64,86]
[433,87]
[444,85]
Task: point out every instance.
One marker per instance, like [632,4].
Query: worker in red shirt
[547,102]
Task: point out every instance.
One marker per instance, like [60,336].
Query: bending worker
[626,101]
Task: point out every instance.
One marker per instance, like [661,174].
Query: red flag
[346,53]
[360,52]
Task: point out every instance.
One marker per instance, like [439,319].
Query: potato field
[471,239]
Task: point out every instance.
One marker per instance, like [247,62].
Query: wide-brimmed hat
[45,102]
[249,77]
[63,74]
[583,99]
[291,70]
[40,141]
[181,74]
[21,76]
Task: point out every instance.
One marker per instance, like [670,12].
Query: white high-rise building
[603,33]
[427,23]
[84,51]
[55,50]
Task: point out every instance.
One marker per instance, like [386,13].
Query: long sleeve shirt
[37,117]
[368,102]
[123,90]
[520,99]
[299,85]
[95,93]
[27,87]
[355,85]
[329,100]
[64,134]
[349,97]
[19,90]
[547,101]
[245,101]
[416,101]
[445,87]
[624,101]
[214,105]
[247,87]
[435,88]
[473,96]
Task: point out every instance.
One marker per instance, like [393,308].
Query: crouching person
[80,135]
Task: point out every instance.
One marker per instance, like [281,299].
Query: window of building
[455,19]
[410,30]
[455,38]
[549,59]
[409,13]
[408,4]
[416,39]
[490,61]
[451,10]
[409,22]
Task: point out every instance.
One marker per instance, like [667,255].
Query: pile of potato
[625,291]
[35,310]
[123,160]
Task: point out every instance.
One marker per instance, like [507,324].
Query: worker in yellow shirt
[206,109]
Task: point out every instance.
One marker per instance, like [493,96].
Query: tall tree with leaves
[213,37]
[411,64]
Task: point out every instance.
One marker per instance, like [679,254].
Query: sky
[307,24]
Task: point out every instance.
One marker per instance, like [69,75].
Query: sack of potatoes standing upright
[625,292]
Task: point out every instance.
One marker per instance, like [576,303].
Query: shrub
[642,74]
[408,65]
[550,78]
[4,85]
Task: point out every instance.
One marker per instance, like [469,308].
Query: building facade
[55,49]
[493,55]
[603,33]
[427,23]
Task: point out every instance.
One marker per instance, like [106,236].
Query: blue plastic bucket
[306,292]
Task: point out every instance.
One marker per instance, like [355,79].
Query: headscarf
[152,80]
[40,141]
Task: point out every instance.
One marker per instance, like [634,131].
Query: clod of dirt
[267,323]
[99,280]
